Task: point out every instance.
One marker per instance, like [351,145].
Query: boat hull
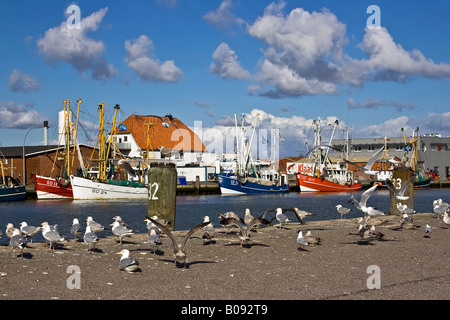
[49,188]
[313,184]
[13,194]
[85,189]
[231,185]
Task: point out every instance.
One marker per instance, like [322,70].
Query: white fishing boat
[103,186]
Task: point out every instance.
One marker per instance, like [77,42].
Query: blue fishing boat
[16,193]
[230,184]
[249,176]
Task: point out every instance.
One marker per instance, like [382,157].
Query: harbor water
[191,209]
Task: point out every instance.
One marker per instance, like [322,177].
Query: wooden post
[162,192]
[399,178]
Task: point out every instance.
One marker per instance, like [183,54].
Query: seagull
[301,241]
[312,239]
[208,230]
[427,231]
[281,217]
[154,239]
[373,234]
[342,210]
[90,238]
[75,230]
[95,226]
[367,169]
[399,194]
[127,167]
[28,231]
[244,234]
[179,249]
[1,234]
[362,204]
[121,231]
[17,241]
[440,207]
[51,235]
[126,263]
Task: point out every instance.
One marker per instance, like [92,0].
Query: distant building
[434,151]
[40,160]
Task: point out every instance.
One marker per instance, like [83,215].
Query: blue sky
[288,61]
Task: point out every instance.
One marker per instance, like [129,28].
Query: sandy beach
[404,264]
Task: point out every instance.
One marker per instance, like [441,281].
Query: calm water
[192,209]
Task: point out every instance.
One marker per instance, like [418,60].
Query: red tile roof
[177,136]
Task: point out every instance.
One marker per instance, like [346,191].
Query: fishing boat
[319,173]
[59,187]
[410,159]
[10,188]
[100,183]
[247,177]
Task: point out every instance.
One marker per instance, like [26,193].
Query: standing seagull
[90,238]
[427,231]
[51,235]
[28,231]
[301,241]
[208,230]
[17,241]
[342,210]
[399,194]
[75,230]
[95,226]
[179,249]
[281,217]
[121,231]
[126,263]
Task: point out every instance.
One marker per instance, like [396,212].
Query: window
[125,138]
[357,148]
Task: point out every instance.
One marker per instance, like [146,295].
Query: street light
[23,150]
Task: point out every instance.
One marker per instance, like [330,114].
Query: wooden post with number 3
[401,176]
[162,192]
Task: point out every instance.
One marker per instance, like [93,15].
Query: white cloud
[17,116]
[21,82]
[140,58]
[304,55]
[226,64]
[222,18]
[74,47]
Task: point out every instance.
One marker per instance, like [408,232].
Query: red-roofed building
[164,133]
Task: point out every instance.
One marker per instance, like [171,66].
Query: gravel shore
[271,267]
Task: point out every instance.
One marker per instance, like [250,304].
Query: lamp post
[23,150]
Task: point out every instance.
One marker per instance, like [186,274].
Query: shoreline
[271,267]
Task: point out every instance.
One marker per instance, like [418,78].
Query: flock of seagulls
[248,225]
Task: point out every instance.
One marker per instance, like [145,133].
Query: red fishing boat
[59,187]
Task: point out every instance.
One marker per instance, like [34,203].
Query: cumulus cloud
[305,55]
[222,18]
[73,46]
[372,103]
[226,64]
[298,135]
[141,58]
[21,82]
[13,115]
